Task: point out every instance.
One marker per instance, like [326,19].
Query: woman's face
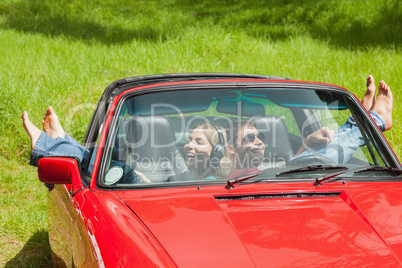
[198,149]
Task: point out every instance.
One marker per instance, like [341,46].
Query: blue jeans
[347,139]
[47,146]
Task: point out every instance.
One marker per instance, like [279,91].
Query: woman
[206,152]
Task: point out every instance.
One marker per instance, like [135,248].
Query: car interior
[153,129]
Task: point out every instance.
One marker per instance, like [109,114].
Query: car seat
[152,149]
[278,148]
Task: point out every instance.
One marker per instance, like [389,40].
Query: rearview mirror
[240,108]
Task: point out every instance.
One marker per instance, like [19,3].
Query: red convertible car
[214,170]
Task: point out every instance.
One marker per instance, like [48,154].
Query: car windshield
[209,135]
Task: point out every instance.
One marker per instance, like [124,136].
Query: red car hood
[357,226]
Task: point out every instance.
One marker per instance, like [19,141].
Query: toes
[384,88]
[370,83]
[51,110]
[369,97]
[387,88]
[382,84]
[25,116]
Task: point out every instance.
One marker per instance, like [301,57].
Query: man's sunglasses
[250,137]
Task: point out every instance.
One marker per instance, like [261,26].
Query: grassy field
[64,53]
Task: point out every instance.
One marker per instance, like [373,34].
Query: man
[247,144]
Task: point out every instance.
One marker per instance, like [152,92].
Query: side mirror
[60,170]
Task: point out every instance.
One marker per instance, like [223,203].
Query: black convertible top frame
[119,86]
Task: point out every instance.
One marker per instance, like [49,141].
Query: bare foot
[31,129]
[368,99]
[51,124]
[383,104]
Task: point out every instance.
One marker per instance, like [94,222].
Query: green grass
[64,53]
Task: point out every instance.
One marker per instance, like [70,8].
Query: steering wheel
[311,160]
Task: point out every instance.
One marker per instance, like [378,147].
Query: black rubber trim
[277,196]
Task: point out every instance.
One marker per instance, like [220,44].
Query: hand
[142,176]
[317,140]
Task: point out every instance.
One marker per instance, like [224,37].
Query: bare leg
[51,124]
[31,129]
[383,104]
[369,97]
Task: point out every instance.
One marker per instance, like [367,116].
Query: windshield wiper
[393,171]
[231,182]
[310,168]
[319,180]
[390,170]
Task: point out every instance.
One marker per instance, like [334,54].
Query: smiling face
[198,149]
[249,147]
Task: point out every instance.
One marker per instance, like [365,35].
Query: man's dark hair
[232,131]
